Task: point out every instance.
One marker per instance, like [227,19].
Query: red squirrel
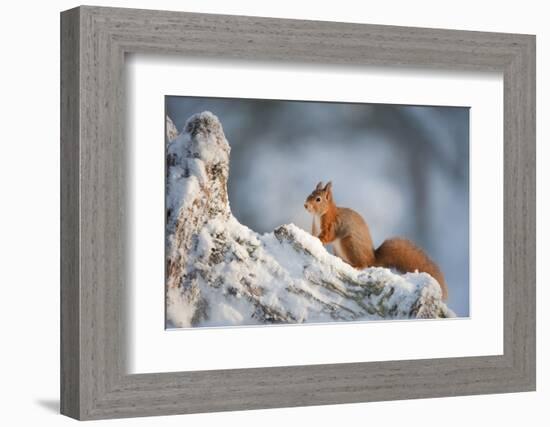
[350,237]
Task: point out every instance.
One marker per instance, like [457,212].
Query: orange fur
[405,256]
[350,236]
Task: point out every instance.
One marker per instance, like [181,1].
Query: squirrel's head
[318,202]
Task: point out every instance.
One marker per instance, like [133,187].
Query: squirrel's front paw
[323,239]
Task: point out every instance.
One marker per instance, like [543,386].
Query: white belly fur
[317,224]
[337,247]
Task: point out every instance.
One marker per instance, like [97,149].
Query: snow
[171,130]
[206,139]
[222,273]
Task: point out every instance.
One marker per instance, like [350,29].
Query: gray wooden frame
[94,41]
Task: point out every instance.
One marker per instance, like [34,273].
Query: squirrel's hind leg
[353,254]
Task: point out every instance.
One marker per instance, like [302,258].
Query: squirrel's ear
[328,189]
[319,185]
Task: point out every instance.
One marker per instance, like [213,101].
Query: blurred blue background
[405,169]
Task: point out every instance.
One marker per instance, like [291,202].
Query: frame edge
[70,403]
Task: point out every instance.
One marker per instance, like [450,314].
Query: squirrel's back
[349,222]
[405,256]
[353,242]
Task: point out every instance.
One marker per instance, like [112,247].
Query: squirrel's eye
[318,199]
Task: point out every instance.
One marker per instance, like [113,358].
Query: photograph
[296,212]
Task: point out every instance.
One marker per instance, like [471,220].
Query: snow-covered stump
[222,273]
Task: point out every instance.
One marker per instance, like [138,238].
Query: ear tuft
[319,185]
[328,190]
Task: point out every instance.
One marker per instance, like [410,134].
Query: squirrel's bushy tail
[405,256]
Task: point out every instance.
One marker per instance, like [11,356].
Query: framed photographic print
[297,212]
[221,273]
